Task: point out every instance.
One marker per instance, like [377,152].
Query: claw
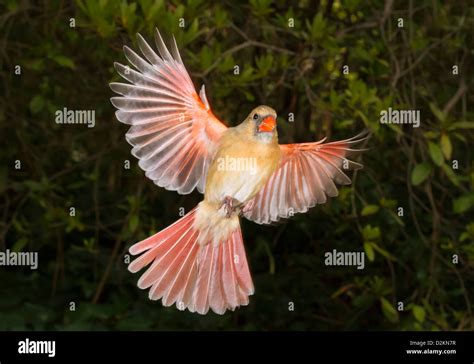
[229,206]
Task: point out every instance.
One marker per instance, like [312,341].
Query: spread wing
[173,130]
[305,177]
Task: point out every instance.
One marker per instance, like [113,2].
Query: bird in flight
[199,262]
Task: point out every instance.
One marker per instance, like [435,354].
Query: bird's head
[263,120]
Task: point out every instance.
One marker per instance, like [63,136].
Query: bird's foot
[229,206]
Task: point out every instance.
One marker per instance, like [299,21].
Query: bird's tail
[198,262]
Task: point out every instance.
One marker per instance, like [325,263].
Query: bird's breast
[240,169]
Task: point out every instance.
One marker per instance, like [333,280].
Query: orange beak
[268,124]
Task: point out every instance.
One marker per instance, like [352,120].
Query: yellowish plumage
[243,163]
[255,157]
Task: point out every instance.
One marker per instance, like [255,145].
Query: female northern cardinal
[199,262]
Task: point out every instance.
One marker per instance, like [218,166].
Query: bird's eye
[255,116]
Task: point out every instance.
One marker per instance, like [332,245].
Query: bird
[199,263]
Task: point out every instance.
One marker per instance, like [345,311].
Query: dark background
[295,70]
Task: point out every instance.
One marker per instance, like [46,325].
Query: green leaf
[388,310]
[371,233]
[133,223]
[383,252]
[36,104]
[388,203]
[420,173]
[19,245]
[436,153]
[437,112]
[89,244]
[463,203]
[206,57]
[369,210]
[462,125]
[431,134]
[248,95]
[64,61]
[419,313]
[318,25]
[128,14]
[451,175]
[220,18]
[369,251]
[264,64]
[468,234]
[227,64]
[35,64]
[261,7]
[150,9]
[446,146]
[363,117]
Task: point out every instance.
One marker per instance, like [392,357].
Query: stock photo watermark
[66,116]
[393,116]
[46,347]
[336,258]
[18,259]
[237,164]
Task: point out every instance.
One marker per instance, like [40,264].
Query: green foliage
[419,313]
[463,203]
[420,173]
[388,310]
[435,153]
[409,209]
[369,210]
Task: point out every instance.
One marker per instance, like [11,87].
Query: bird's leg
[229,206]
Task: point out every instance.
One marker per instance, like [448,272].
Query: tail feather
[216,294]
[240,263]
[191,273]
[163,255]
[150,242]
[189,286]
[177,286]
[168,266]
[200,302]
[228,275]
[155,243]
[243,297]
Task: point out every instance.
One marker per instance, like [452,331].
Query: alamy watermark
[66,116]
[47,347]
[237,164]
[392,116]
[10,258]
[345,258]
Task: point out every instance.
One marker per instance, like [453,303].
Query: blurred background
[291,55]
